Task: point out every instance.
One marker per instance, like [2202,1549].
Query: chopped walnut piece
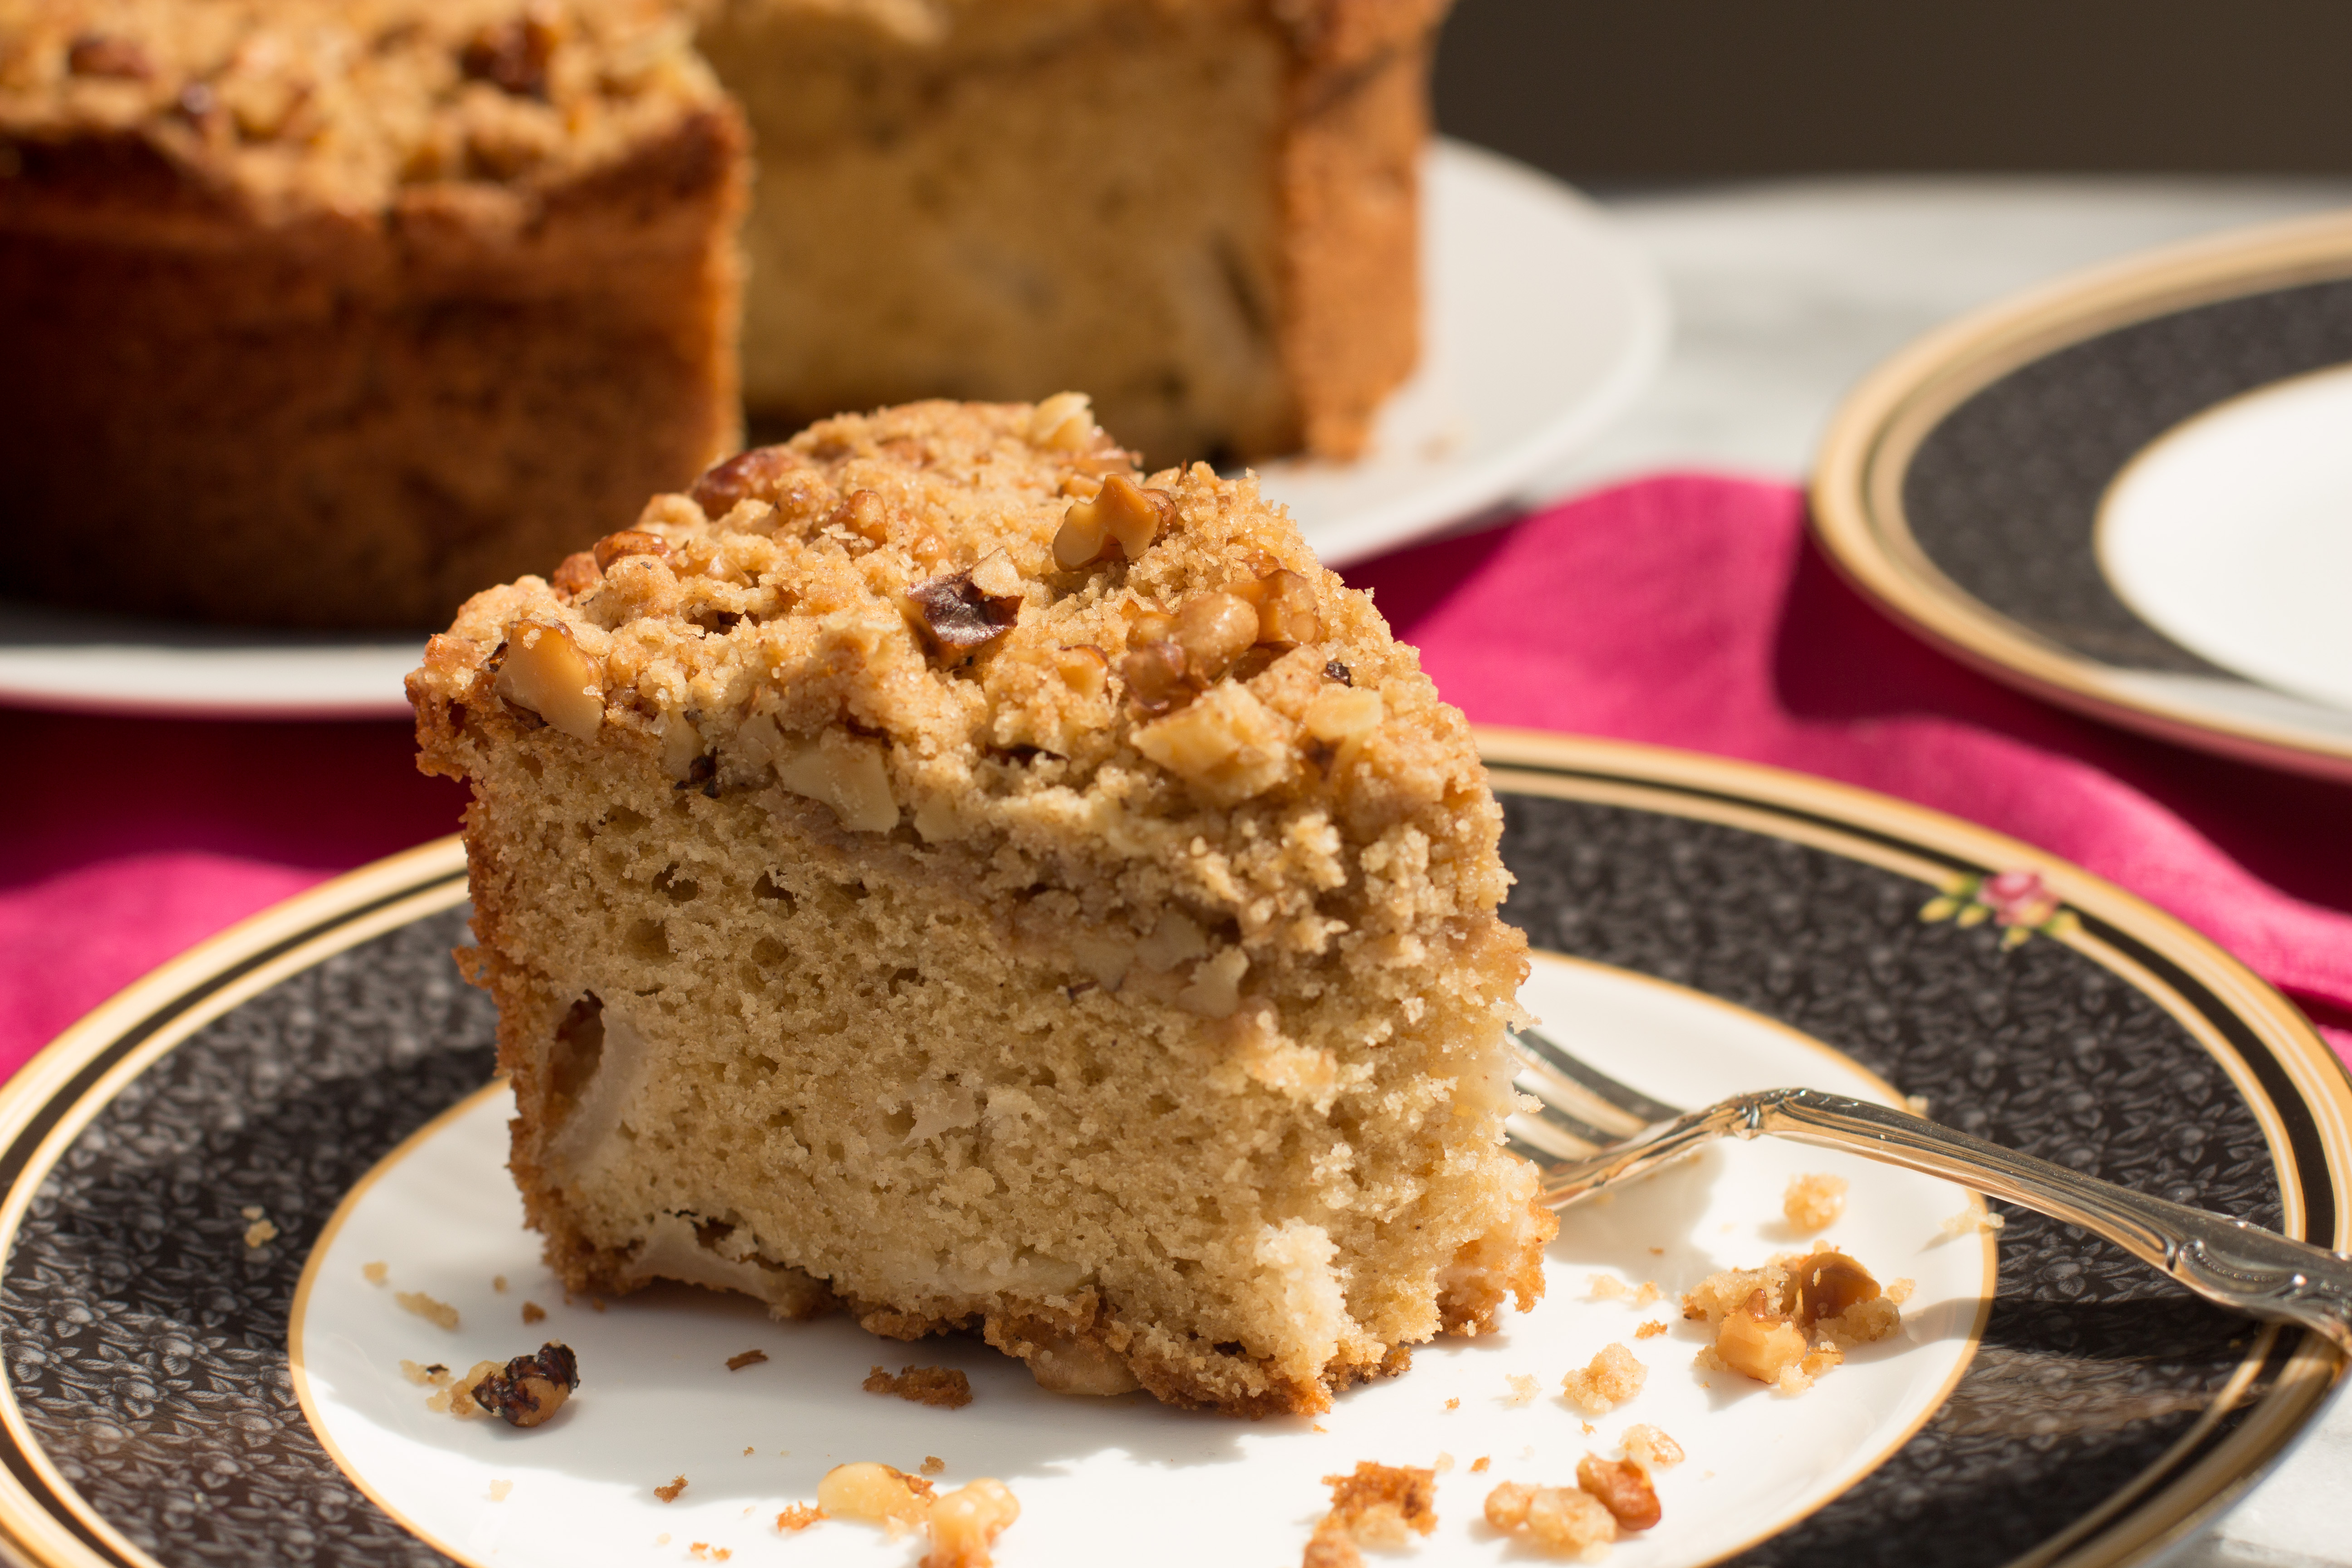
[1608,1380]
[669,1493]
[879,1493]
[942,1386]
[99,54]
[575,575]
[1121,512]
[1787,1322]
[531,1388]
[747,1357]
[798,1516]
[756,475]
[426,1307]
[1154,675]
[1063,423]
[1227,745]
[1813,1203]
[1560,1519]
[542,670]
[1622,1487]
[1755,1341]
[966,1521]
[512,56]
[956,615]
[1285,602]
[627,543]
[1340,672]
[1213,630]
[862,516]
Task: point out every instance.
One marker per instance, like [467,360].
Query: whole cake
[935,867]
[1204,211]
[326,313]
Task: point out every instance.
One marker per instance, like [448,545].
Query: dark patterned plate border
[1960,484]
[2108,1414]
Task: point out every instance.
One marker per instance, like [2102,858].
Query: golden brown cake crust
[314,321]
[874,744]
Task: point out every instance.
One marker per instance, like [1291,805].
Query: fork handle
[2241,1266]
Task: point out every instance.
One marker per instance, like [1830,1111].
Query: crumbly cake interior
[937,868]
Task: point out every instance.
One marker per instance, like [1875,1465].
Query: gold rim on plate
[1857,491]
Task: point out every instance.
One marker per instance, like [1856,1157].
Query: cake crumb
[669,1493]
[498,1490]
[1647,1292]
[1444,1463]
[499,1283]
[1973,1220]
[1454,1404]
[1899,1291]
[1563,1520]
[260,1233]
[965,1523]
[1916,1104]
[943,1387]
[748,1450]
[428,1375]
[1606,1287]
[932,1464]
[532,1312]
[1478,1465]
[1318,1426]
[1589,1428]
[798,1516]
[426,1307]
[1814,1202]
[751,1358]
[1524,1389]
[595,1303]
[252,1211]
[1791,1321]
[1378,1505]
[1651,1449]
[1657,1252]
[1608,1380]
[375,1273]
[662,1540]
[1649,1331]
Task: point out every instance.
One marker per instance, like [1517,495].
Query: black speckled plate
[1963,485]
[150,1415]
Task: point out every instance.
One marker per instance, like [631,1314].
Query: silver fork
[1592,1132]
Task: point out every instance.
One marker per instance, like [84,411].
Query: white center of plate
[2233,535]
[1127,1479]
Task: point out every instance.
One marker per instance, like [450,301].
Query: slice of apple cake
[934,867]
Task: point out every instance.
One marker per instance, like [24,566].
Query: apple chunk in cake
[937,868]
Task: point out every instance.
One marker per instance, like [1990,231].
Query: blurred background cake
[327,312]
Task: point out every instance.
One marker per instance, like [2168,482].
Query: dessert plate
[196,1176]
[1543,323]
[2130,492]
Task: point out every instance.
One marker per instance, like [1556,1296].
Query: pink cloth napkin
[1683,611]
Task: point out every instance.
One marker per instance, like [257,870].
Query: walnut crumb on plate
[426,1307]
[942,1386]
[532,1312]
[1794,1320]
[669,1493]
[1608,1380]
[1813,1203]
[1378,1504]
[751,1358]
